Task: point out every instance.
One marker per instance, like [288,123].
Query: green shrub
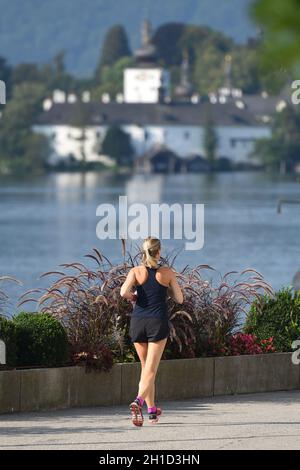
[277,317]
[41,340]
[8,335]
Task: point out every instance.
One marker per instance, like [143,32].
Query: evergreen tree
[115,47]
[167,40]
[210,142]
[117,145]
[112,78]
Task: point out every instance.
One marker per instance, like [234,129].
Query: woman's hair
[150,248]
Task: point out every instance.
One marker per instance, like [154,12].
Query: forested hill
[35,30]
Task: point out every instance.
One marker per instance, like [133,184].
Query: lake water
[49,220]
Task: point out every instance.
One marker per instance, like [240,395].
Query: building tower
[143,82]
[147,53]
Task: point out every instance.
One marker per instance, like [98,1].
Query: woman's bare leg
[146,387]
[142,350]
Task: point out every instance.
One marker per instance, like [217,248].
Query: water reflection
[145,189]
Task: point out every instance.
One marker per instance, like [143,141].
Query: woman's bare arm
[129,284]
[175,289]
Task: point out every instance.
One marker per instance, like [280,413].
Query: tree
[280,22]
[208,71]
[112,78]
[115,47]
[206,50]
[117,145]
[20,149]
[245,69]
[80,119]
[210,142]
[59,78]
[167,40]
[59,64]
[196,38]
[26,73]
[282,151]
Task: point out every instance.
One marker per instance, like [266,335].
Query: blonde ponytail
[151,246]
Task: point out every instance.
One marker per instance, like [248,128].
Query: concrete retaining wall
[67,387]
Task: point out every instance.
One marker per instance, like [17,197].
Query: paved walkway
[260,421]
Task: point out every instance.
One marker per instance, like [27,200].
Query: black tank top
[151,300]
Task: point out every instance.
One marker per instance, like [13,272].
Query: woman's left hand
[133,298]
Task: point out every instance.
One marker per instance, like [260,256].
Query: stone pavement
[257,421]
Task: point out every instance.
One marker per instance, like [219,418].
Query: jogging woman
[149,327]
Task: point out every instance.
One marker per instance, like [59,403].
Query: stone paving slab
[256,421]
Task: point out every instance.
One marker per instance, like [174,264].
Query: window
[245,141]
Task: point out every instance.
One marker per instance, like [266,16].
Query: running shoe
[153,417]
[137,417]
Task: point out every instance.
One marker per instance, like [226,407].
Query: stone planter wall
[67,387]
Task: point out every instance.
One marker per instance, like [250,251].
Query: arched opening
[164,161]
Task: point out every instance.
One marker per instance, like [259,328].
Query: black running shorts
[144,330]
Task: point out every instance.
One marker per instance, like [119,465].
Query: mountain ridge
[36,30]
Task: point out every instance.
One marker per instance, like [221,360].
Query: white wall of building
[142,85]
[184,140]
[234,142]
[137,135]
[237,142]
[66,141]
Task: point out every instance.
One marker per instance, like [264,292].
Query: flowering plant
[242,343]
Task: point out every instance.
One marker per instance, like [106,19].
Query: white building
[180,127]
[156,124]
